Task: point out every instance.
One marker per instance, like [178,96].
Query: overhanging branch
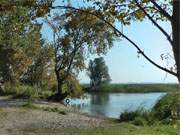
[162,11]
[120,33]
[155,23]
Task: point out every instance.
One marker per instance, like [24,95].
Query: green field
[134,88]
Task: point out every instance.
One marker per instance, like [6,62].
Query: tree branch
[155,23]
[162,11]
[120,33]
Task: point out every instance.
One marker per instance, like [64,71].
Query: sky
[122,61]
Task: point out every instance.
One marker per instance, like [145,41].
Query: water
[113,104]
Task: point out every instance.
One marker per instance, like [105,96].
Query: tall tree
[75,35]
[125,12]
[98,72]
[19,39]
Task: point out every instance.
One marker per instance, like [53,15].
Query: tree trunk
[176,34]
[59,89]
[59,96]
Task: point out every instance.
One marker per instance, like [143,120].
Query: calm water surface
[113,104]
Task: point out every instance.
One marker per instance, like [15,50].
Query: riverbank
[134,88]
[46,118]
[17,116]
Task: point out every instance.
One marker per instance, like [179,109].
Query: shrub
[44,94]
[166,110]
[139,121]
[168,107]
[149,117]
[26,91]
[129,116]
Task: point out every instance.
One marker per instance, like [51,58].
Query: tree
[98,72]
[36,8]
[124,12]
[127,11]
[75,35]
[19,39]
[40,72]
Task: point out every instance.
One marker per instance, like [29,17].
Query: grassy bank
[135,88]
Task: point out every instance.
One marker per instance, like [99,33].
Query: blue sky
[122,61]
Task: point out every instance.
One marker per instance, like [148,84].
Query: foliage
[26,91]
[23,91]
[128,11]
[40,72]
[36,8]
[76,87]
[139,117]
[168,107]
[98,72]
[166,111]
[139,121]
[129,116]
[75,35]
[19,40]
[72,84]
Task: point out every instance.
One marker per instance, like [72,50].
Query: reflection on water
[113,104]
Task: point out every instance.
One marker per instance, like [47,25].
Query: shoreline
[46,118]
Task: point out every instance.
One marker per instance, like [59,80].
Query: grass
[135,88]
[116,129]
[30,105]
[55,109]
[26,92]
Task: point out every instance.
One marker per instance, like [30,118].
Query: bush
[166,111]
[44,94]
[129,116]
[139,121]
[149,117]
[26,91]
[168,107]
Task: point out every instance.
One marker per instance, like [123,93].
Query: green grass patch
[26,91]
[116,129]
